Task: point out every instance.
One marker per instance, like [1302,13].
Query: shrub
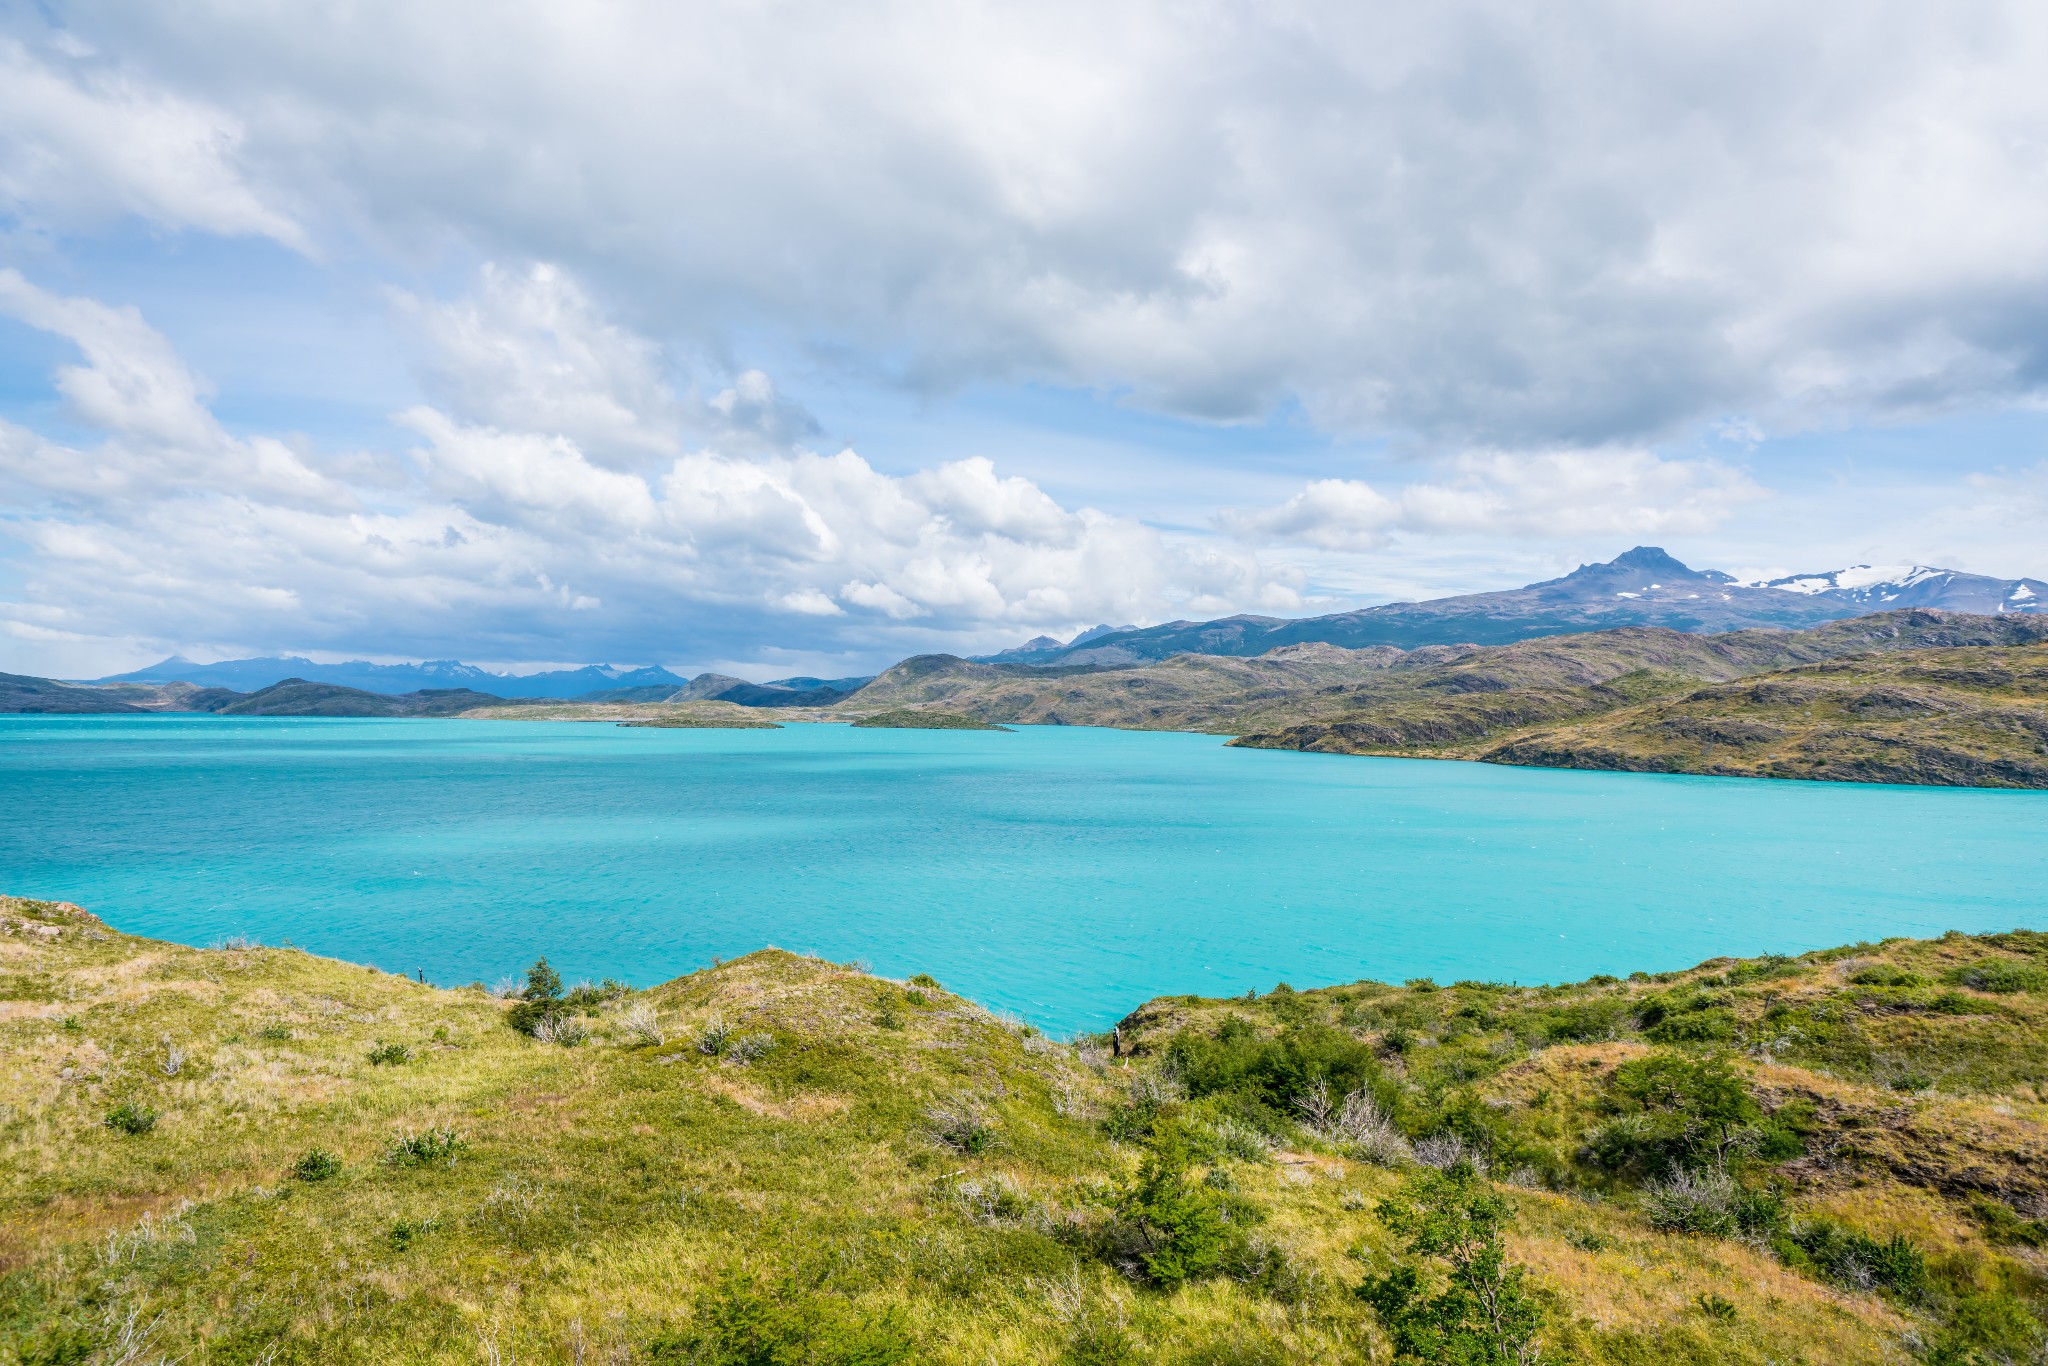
[131,1118]
[406,1232]
[927,981]
[996,1200]
[1884,975]
[540,999]
[1168,1228]
[1995,1326]
[643,1023]
[2002,1224]
[275,1033]
[1268,1075]
[1711,1203]
[316,1165]
[1716,1307]
[746,1048]
[1228,1137]
[1483,1314]
[543,983]
[390,1054]
[1761,969]
[587,998]
[1677,1111]
[1445,1151]
[739,1322]
[2002,976]
[565,1031]
[965,1129]
[714,1037]
[435,1147]
[1367,1131]
[1844,1255]
[1585,1021]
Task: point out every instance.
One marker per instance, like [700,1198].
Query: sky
[781,337]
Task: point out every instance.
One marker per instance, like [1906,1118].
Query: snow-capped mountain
[1880,588]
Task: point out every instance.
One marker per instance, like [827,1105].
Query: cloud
[1549,495]
[509,538]
[1468,224]
[82,143]
[527,351]
[161,437]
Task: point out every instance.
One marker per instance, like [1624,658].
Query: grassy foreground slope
[254,1155]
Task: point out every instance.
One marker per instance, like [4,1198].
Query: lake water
[1065,875]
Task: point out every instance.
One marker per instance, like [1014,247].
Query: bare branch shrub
[640,1020]
[1445,1151]
[714,1037]
[962,1128]
[565,1031]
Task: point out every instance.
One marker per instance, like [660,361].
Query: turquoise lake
[1065,875]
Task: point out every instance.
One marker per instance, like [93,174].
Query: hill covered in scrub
[1966,717]
[247,1154]
[1508,703]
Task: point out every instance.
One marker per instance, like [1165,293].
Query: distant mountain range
[251,675]
[591,683]
[1645,587]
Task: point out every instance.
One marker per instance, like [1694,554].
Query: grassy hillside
[1520,703]
[1966,717]
[246,1154]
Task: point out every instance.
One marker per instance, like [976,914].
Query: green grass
[887,1172]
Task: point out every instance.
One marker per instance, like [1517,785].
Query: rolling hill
[249,1154]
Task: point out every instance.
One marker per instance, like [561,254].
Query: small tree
[1483,1315]
[540,1001]
[1179,1229]
[543,983]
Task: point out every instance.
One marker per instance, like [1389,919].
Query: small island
[910,718]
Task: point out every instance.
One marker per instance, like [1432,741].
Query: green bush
[1686,1017]
[1265,1075]
[739,1322]
[131,1118]
[435,1147]
[1462,1301]
[1848,1257]
[1982,1328]
[1761,969]
[406,1232]
[316,1165]
[1175,1229]
[1885,975]
[539,1000]
[1585,1021]
[275,1033]
[2004,1225]
[2002,976]
[1676,1110]
[390,1054]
